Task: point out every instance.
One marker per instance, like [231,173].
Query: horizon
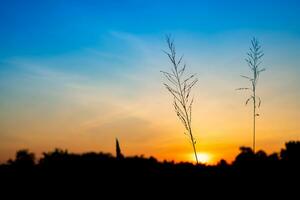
[203,158]
[78,74]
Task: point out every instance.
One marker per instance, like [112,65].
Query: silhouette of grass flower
[180,86]
[254,60]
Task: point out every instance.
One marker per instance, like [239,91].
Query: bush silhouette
[24,159]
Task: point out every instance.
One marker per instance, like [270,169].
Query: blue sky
[51,27]
[88,71]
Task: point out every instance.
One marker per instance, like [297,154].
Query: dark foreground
[61,173]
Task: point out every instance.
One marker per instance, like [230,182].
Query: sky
[78,74]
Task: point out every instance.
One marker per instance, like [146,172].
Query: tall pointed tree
[254,60]
[119,154]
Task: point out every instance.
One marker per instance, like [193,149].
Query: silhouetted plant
[253,60]
[180,86]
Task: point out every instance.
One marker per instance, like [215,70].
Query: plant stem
[187,116]
[194,147]
[254,116]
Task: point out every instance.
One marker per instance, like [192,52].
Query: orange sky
[45,107]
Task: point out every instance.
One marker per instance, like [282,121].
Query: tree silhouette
[24,158]
[119,154]
[291,152]
[180,86]
[245,156]
[253,60]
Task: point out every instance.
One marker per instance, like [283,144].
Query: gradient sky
[77,74]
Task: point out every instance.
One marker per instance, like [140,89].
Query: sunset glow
[204,158]
[76,76]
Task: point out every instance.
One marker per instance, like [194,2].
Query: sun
[203,157]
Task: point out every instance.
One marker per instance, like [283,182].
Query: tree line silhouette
[66,171]
[59,160]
